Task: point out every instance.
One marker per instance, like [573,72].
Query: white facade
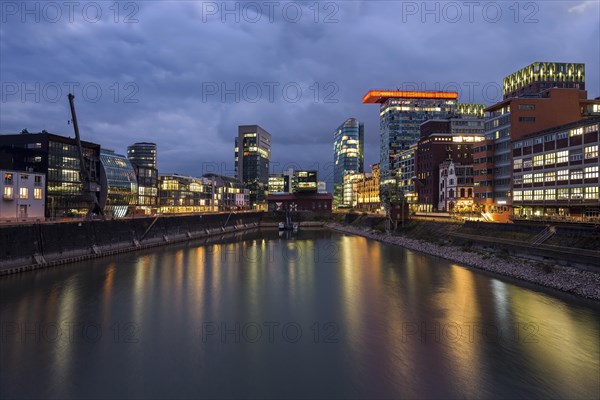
[456,186]
[23,195]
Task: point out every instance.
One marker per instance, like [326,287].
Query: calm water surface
[319,315]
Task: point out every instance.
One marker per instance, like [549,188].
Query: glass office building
[118,183]
[252,158]
[143,157]
[401,115]
[58,158]
[348,155]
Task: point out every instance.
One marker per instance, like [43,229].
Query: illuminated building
[367,191]
[539,76]
[58,158]
[512,119]
[119,189]
[185,194]
[401,114]
[143,157]
[448,139]
[404,166]
[23,195]
[556,172]
[456,187]
[229,192]
[350,189]
[279,183]
[305,181]
[252,158]
[348,155]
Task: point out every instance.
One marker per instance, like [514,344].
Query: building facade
[229,192]
[143,157]
[119,188]
[57,157]
[348,154]
[315,202]
[185,194]
[23,196]
[401,114]
[367,191]
[556,173]
[252,158]
[539,76]
[456,187]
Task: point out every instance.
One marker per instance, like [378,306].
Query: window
[527,163]
[538,195]
[37,193]
[576,193]
[562,175]
[562,157]
[575,155]
[538,140]
[527,178]
[24,177]
[517,179]
[591,152]
[517,195]
[550,194]
[538,177]
[550,176]
[549,138]
[576,132]
[518,163]
[527,195]
[550,158]
[538,160]
[8,179]
[576,174]
[8,193]
[526,106]
[38,180]
[562,135]
[563,194]
[591,172]
[591,192]
[24,193]
[527,119]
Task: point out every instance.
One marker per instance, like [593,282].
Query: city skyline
[193,127]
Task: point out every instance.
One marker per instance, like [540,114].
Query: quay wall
[33,246]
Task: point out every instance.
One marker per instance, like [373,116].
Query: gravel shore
[566,279]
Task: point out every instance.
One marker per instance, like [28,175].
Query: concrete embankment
[29,247]
[585,283]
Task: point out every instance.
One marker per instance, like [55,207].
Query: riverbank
[572,280]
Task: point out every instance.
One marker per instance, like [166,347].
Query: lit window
[37,193]
[591,172]
[562,157]
[591,152]
[591,192]
[518,163]
[550,194]
[538,195]
[8,192]
[527,195]
[538,177]
[576,132]
[24,193]
[517,195]
[527,178]
[576,174]
[576,193]
[550,158]
[550,176]
[562,175]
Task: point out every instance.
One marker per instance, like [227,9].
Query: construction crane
[89,187]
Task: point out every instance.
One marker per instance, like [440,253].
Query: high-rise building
[252,158]
[539,76]
[401,114]
[348,154]
[58,158]
[143,158]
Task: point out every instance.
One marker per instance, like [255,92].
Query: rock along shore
[566,279]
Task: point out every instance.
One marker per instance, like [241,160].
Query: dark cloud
[154,74]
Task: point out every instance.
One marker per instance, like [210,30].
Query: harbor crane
[89,188]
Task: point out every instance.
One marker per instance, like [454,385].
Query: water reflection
[374,320]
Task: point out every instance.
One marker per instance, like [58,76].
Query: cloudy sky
[185,74]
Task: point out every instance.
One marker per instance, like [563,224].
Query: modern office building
[348,154]
[23,196]
[143,158]
[305,181]
[515,117]
[456,187]
[252,158]
[404,166]
[279,183]
[350,190]
[185,194]
[229,192]
[58,158]
[119,188]
[401,115]
[556,173]
[539,76]
[443,139]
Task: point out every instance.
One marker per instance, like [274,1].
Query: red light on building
[380,96]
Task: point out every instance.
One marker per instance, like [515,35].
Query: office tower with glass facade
[119,188]
[252,158]
[143,157]
[58,158]
[401,114]
[348,155]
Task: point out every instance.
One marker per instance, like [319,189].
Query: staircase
[543,235]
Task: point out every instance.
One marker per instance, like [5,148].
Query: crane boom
[88,191]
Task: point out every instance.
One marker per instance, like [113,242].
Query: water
[320,315]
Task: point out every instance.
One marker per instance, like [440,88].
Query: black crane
[89,187]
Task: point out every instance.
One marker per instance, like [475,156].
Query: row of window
[23,193]
[555,136]
[577,193]
[561,175]
[559,157]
